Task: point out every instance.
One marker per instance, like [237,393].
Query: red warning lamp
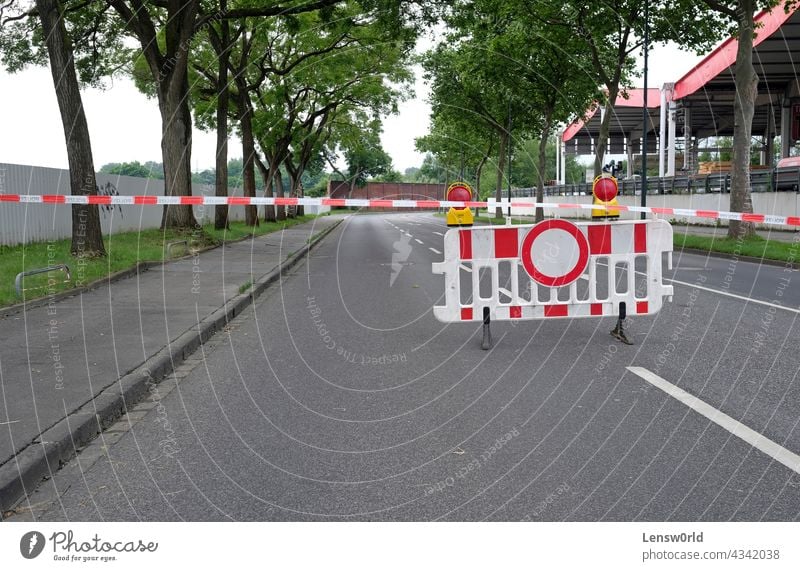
[462,215]
[459,192]
[604,191]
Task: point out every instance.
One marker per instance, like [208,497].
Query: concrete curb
[58,444]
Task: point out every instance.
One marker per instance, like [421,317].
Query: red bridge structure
[388,190]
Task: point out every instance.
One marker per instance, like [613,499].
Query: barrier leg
[619,332]
[486,343]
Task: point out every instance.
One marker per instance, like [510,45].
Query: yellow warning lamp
[461,216]
[604,191]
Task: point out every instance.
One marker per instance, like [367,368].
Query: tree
[740,14]
[459,143]
[366,160]
[87,238]
[165,31]
[468,76]
[149,169]
[558,91]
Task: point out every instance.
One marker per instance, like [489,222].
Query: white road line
[438,233]
[465,268]
[418,241]
[753,438]
[9,422]
[733,295]
[725,293]
[434,250]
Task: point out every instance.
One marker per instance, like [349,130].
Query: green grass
[755,247]
[123,251]
[245,286]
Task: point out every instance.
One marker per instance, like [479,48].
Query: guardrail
[174,243]
[783,179]
[60,267]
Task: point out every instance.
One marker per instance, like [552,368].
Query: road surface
[338,396]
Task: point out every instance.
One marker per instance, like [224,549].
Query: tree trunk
[296,185]
[501,164]
[542,164]
[176,150]
[291,211]
[280,210]
[479,170]
[743,108]
[221,182]
[269,210]
[87,237]
[248,154]
[605,127]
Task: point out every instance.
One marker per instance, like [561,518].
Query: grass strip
[754,247]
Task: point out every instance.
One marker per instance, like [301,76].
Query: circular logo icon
[555,253]
[31,544]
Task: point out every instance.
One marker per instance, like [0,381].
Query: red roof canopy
[629,98]
[724,55]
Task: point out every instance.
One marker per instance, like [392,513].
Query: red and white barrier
[382,203]
[542,266]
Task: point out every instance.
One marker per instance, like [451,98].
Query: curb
[59,443]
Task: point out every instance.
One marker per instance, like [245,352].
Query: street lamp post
[645,117]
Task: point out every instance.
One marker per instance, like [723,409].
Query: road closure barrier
[554,269]
[384,203]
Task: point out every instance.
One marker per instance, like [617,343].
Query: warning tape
[383,203]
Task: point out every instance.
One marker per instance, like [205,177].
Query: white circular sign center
[555,252]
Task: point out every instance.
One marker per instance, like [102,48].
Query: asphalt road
[338,396]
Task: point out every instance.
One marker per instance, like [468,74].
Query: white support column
[599,141]
[629,149]
[786,128]
[688,164]
[558,159]
[662,131]
[770,143]
[563,170]
[671,148]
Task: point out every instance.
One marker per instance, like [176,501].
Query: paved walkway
[59,356]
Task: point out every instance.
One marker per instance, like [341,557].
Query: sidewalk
[60,356]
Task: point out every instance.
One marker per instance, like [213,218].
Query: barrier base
[486,342]
[619,332]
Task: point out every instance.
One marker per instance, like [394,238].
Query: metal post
[486,342]
[645,116]
[508,170]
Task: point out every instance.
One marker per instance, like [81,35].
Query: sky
[125,125]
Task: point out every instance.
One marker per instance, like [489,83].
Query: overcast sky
[126,126]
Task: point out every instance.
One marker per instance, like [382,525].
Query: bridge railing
[783,179]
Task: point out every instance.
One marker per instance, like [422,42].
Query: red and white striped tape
[382,203]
